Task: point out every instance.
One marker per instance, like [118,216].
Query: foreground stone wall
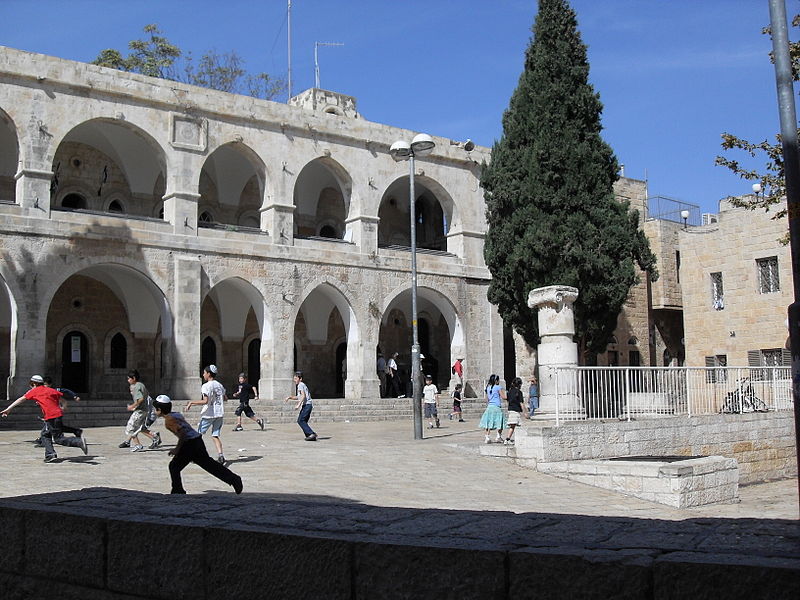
[763,444]
[263,546]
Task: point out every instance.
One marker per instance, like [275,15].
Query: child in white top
[429,395]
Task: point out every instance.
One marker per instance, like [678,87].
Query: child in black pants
[190,448]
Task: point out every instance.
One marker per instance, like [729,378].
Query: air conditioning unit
[710,218]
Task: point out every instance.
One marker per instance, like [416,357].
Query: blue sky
[672,74]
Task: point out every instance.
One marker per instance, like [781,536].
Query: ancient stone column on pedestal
[557,348]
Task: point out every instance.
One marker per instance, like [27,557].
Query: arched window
[633,341]
[328,231]
[119,352]
[73,201]
[115,207]
[205,217]
[208,352]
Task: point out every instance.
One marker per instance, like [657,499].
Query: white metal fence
[629,392]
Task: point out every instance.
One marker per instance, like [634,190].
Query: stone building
[736,282]
[155,225]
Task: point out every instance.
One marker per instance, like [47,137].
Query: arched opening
[231,186]
[119,352]
[233,317]
[113,165]
[90,304]
[439,332]
[433,215]
[322,199]
[324,329]
[208,352]
[6,319]
[9,158]
[73,202]
[75,362]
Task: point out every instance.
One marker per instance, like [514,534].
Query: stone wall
[266,547]
[764,445]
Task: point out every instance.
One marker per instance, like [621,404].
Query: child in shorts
[429,394]
[457,404]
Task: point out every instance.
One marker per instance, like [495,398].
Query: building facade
[154,225]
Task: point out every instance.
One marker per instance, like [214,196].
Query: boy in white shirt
[213,408]
[429,395]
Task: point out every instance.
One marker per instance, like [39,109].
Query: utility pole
[791,166]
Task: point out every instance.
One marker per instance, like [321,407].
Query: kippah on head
[212,369]
[37,379]
[163,399]
[243,375]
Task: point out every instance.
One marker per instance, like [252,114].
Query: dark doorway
[75,362]
[208,353]
[341,368]
[254,362]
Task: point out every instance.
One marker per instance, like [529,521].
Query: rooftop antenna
[316,59]
[289,42]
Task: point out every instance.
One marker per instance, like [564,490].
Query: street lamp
[685,217]
[421,145]
[757,189]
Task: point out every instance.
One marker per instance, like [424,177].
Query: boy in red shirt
[48,400]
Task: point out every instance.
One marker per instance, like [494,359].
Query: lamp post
[685,217]
[421,145]
[757,189]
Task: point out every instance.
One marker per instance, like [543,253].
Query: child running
[213,412]
[304,404]
[49,401]
[190,448]
[457,404]
[429,394]
[245,392]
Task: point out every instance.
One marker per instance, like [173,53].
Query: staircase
[111,411]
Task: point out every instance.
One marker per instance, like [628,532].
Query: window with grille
[717,300]
[768,275]
[717,375]
[772,357]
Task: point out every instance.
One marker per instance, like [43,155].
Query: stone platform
[368,512]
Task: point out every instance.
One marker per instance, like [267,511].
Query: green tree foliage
[157,57]
[773,178]
[552,214]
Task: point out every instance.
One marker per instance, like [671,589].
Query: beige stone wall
[750,320]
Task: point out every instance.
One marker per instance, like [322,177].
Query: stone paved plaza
[374,463]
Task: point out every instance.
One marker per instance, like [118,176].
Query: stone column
[363,232]
[186,340]
[278,221]
[180,210]
[28,343]
[557,348]
[33,191]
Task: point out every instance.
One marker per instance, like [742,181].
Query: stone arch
[435,212]
[447,337]
[9,157]
[323,319]
[8,326]
[232,181]
[235,311]
[322,195]
[104,157]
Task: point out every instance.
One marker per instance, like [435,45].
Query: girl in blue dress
[494,417]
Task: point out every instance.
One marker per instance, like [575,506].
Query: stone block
[682,575]
[157,560]
[49,538]
[12,550]
[578,573]
[420,572]
[18,587]
[250,564]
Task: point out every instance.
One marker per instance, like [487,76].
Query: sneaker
[402,396]
[450,417]
[156,441]
[509,441]
[430,425]
[311,438]
[437,423]
[78,432]
[221,460]
[487,440]
[125,444]
[84,444]
[138,448]
[498,439]
[237,485]
[51,458]
[461,421]
[261,423]
[240,428]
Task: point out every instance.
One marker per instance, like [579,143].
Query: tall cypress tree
[552,214]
